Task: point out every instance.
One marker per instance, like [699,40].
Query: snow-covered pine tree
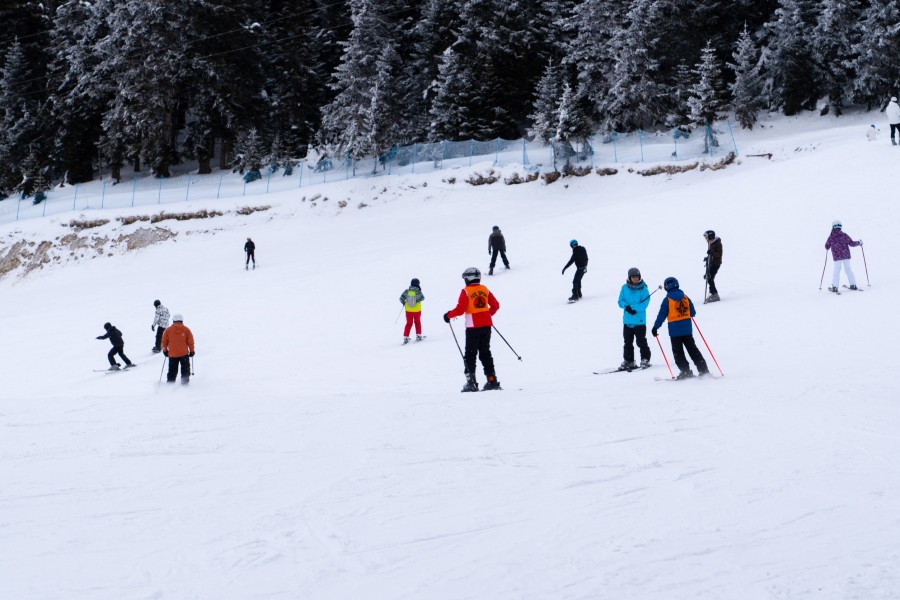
[792,85]
[572,126]
[705,99]
[877,52]
[685,79]
[249,150]
[834,36]
[546,105]
[747,85]
[19,127]
[635,98]
[351,126]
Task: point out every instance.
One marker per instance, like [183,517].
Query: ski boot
[685,374]
[491,384]
[419,338]
[573,298]
[645,362]
[713,298]
[627,365]
[471,385]
[704,374]
[491,271]
[129,365]
[853,287]
[833,289]
[114,368]
[155,350]
[406,340]
[508,267]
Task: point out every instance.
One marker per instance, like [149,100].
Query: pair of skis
[622,370]
[834,290]
[110,372]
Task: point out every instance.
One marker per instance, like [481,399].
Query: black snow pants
[174,362]
[120,350]
[478,343]
[680,343]
[639,333]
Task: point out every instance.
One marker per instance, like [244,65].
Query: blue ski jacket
[639,299]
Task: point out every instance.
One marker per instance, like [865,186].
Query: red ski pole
[707,346]
[664,356]
[866,265]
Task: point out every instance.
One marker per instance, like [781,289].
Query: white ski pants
[836,278]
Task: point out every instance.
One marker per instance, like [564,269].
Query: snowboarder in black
[250,249]
[118,347]
[713,261]
[497,245]
[580,258]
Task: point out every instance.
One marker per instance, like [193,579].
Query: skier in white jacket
[893,116]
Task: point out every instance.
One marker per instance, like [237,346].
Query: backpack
[412,297]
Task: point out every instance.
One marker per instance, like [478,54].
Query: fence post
[590,144]
[733,143]
[133,189]
[102,193]
[497,153]
[302,168]
[524,156]
[219,189]
[471,151]
[708,138]
[414,158]
[641,140]
[675,141]
[244,193]
[615,151]
[75,197]
[443,153]
[159,193]
[188,191]
[46,202]
[17,208]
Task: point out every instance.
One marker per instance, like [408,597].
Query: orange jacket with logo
[478,304]
[178,340]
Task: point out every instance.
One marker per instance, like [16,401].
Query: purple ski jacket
[839,243]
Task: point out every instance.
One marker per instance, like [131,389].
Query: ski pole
[458,347]
[707,346]
[644,299]
[192,365]
[706,279]
[398,314]
[507,343]
[162,369]
[664,356]
[868,284]
[823,269]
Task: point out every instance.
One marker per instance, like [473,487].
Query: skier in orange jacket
[478,304]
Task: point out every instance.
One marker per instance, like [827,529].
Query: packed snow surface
[315,456]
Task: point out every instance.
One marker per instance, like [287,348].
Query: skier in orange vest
[478,304]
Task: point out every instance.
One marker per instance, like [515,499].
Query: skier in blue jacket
[634,300]
[678,309]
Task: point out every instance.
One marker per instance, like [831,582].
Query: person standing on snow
[178,346]
[411,299]
[118,347]
[892,111]
[580,258]
[839,243]
[160,322]
[634,300]
[250,249]
[678,310]
[497,245]
[479,305]
[713,260]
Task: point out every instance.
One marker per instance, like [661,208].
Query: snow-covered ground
[314,456]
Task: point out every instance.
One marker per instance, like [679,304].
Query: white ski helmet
[177,318]
[836,224]
[472,275]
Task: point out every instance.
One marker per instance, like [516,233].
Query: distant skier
[250,249]
[118,347]
[872,133]
[160,322]
[178,346]
[892,111]
[634,300]
[839,243]
[479,305]
[713,260]
[678,309]
[497,245]
[580,258]
[411,299]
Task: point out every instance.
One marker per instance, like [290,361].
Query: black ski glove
[99,337]
[191,354]
[165,353]
[153,328]
[630,310]
[564,272]
[654,331]
[446,317]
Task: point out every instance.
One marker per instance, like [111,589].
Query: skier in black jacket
[118,347]
[497,245]
[250,249]
[580,258]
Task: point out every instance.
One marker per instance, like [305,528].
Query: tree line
[90,84]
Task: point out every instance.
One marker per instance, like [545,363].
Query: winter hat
[156,303]
[634,272]
[177,318]
[709,234]
[893,98]
[836,224]
[496,228]
[107,326]
[573,243]
[414,282]
[670,284]
[472,275]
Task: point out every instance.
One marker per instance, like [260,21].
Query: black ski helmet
[710,234]
[414,282]
[472,275]
[670,284]
[107,326]
[634,272]
[496,228]
[156,303]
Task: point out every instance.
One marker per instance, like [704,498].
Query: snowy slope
[314,456]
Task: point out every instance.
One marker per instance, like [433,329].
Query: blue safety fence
[602,149]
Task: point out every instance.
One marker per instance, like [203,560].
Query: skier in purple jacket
[839,243]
